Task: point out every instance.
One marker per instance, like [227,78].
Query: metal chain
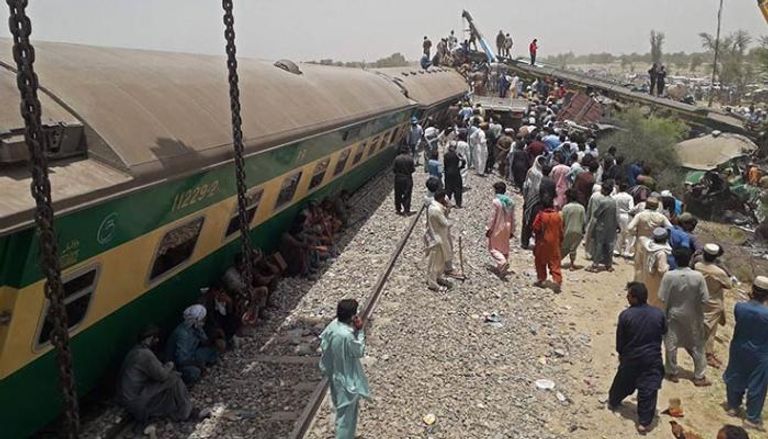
[237,141]
[26,80]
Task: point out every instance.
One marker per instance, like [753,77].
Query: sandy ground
[592,302]
[585,314]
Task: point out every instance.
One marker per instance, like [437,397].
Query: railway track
[307,418]
[301,386]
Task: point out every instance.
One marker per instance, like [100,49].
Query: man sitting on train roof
[188,346]
[149,389]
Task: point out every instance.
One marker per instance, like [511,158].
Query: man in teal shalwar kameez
[343,345]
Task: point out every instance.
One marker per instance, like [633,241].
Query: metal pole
[717,54]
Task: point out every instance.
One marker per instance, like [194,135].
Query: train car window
[78,291]
[319,174]
[288,189]
[253,198]
[359,153]
[342,163]
[374,145]
[393,137]
[176,247]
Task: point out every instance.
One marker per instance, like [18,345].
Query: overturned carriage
[144,189]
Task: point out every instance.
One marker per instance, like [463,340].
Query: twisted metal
[27,82]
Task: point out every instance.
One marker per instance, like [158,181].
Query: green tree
[657,44]
[650,139]
[760,55]
[394,60]
[732,68]
[696,61]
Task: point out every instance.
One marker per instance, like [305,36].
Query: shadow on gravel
[364,204]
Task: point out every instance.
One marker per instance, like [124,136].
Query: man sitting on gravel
[343,345]
[149,389]
[188,346]
[638,342]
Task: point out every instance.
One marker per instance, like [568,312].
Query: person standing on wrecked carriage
[403,169]
[652,74]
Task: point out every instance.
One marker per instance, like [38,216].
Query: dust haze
[366,30]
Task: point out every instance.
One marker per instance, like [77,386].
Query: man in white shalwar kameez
[479,144]
[437,242]
[343,345]
[684,294]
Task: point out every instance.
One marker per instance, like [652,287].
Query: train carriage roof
[427,87]
[149,115]
[150,106]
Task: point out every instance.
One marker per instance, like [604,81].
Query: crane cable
[27,82]
[237,142]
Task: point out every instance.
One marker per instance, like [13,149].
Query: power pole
[717,54]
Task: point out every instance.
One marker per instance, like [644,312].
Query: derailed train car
[144,190]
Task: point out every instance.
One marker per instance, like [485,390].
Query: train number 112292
[195,195]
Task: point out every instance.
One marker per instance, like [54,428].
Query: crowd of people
[577,198]
[574,198]
[154,377]
[449,51]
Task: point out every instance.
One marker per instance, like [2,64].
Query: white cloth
[194,316]
[462,148]
[438,246]
[480,150]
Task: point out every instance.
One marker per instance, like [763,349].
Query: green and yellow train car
[144,190]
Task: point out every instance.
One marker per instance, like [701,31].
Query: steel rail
[305,421]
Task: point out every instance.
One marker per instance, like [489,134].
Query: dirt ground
[592,303]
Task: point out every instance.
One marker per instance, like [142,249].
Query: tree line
[395,60]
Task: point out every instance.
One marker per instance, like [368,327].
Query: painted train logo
[107,229]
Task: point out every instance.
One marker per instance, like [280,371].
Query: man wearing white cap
[747,370]
[642,226]
[718,281]
[684,294]
[655,265]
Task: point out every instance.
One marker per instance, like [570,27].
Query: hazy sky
[369,29]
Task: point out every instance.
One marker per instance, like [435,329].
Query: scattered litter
[561,397]
[494,320]
[429,419]
[543,361]
[545,384]
[675,408]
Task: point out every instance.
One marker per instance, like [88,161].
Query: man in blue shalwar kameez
[343,345]
[639,335]
[188,346]
[748,360]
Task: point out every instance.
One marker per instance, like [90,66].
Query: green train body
[122,206]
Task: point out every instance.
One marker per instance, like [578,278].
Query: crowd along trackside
[144,189]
